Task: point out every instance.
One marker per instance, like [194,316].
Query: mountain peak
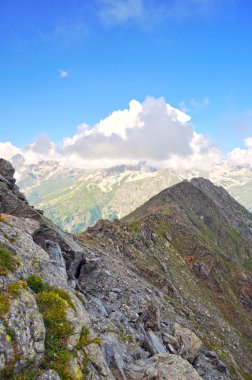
[17,160]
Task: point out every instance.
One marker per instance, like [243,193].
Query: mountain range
[163,293]
[76,198]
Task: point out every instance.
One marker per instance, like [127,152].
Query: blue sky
[66,62]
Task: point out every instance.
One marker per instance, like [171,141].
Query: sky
[103,80]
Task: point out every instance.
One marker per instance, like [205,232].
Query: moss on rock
[4,304]
[7,261]
[14,288]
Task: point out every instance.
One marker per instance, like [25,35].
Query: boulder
[163,366]
[189,343]
[171,340]
[202,270]
[55,253]
[6,169]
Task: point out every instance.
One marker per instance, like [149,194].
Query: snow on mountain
[76,198]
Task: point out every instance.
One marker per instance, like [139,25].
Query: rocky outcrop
[189,343]
[12,201]
[163,367]
[33,278]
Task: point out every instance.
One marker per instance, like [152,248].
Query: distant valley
[75,199]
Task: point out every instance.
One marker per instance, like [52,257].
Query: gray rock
[6,169]
[220,365]
[51,374]
[153,237]
[55,253]
[27,323]
[116,290]
[189,343]
[202,270]
[99,306]
[163,367]
[153,343]
[151,317]
[211,354]
[169,339]
[6,349]
[130,314]
[138,353]
[164,266]
[208,368]
[168,236]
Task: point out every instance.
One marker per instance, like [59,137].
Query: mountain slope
[162,294]
[184,243]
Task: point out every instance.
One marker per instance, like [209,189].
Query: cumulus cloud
[242,157]
[8,150]
[152,131]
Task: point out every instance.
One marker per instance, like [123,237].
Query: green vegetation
[126,337]
[214,345]
[134,226]
[58,330]
[29,372]
[64,295]
[7,261]
[245,375]
[86,339]
[36,284]
[14,288]
[53,303]
[11,332]
[248,264]
[4,304]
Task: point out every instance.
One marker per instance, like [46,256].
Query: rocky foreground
[166,293]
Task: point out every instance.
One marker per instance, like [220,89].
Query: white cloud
[242,157]
[7,150]
[152,131]
[63,74]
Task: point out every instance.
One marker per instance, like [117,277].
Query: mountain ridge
[159,294]
[89,195]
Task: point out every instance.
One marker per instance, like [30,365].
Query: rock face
[32,280]
[121,301]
